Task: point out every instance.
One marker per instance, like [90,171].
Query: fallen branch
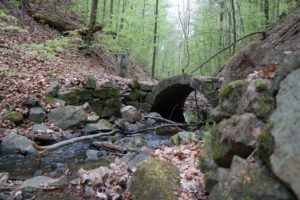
[165,120]
[161,119]
[110,147]
[176,125]
[44,149]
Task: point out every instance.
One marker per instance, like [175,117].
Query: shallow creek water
[71,157]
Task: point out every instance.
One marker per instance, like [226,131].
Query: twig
[157,127]
[173,109]
[224,49]
[163,119]
[160,118]
[43,149]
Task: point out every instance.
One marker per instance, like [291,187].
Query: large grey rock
[130,114]
[253,57]
[67,117]
[235,136]
[44,182]
[248,181]
[17,143]
[37,115]
[256,99]
[53,88]
[146,86]
[142,156]
[95,128]
[31,101]
[285,160]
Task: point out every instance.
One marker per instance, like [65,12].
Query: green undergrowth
[8,23]
[51,49]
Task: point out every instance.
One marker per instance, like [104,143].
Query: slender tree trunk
[155,40]
[123,13]
[103,12]
[221,4]
[233,25]
[93,15]
[111,12]
[241,17]
[266,11]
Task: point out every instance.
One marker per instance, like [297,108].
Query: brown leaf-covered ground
[33,55]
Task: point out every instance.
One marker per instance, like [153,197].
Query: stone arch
[171,93]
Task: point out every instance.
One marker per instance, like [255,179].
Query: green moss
[266,143]
[76,97]
[155,180]
[48,99]
[263,104]
[218,148]
[105,93]
[175,140]
[228,89]
[210,180]
[50,74]
[260,85]
[105,123]
[229,96]
[13,116]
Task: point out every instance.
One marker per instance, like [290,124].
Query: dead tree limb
[157,127]
[229,46]
[44,149]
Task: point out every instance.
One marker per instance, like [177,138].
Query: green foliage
[48,50]
[131,31]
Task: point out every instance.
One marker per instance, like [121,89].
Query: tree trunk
[103,12]
[221,4]
[123,13]
[233,25]
[111,12]
[155,40]
[93,16]
[266,11]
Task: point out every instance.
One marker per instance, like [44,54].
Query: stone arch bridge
[171,93]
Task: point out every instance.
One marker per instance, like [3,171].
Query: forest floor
[31,55]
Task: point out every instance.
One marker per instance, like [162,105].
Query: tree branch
[229,46]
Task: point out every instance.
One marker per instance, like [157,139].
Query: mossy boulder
[265,143]
[90,82]
[234,136]
[106,108]
[105,93]
[13,116]
[133,95]
[229,96]
[134,84]
[207,164]
[155,179]
[246,181]
[210,180]
[256,99]
[76,97]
